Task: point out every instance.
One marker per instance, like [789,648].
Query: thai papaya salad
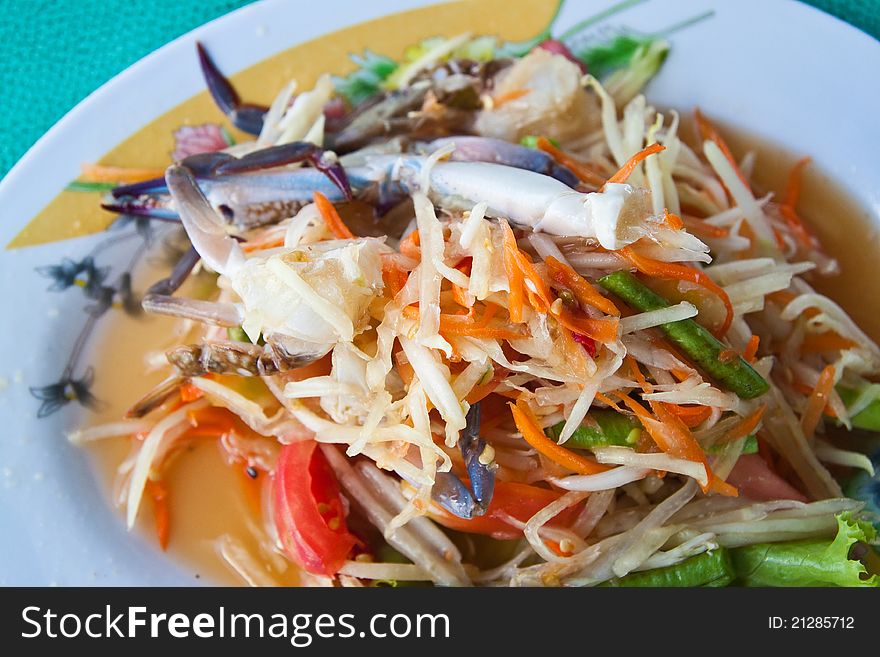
[480,318]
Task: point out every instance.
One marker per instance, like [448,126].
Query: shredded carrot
[600,330]
[746,230]
[793,186]
[527,425]
[672,220]
[817,401]
[718,485]
[260,245]
[678,441]
[709,133]
[465,325]
[815,343]
[582,289]
[605,399]
[636,372]
[514,274]
[331,216]
[630,165]
[788,206]
[393,277]
[410,246]
[159,494]
[746,426]
[692,416]
[98,173]
[577,167]
[537,290]
[459,293]
[681,375]
[751,350]
[190,393]
[501,99]
[652,267]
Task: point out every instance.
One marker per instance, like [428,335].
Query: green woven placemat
[55,52]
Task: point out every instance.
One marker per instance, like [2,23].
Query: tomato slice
[756,481]
[309,514]
[520,501]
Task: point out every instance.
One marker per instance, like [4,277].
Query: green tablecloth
[55,52]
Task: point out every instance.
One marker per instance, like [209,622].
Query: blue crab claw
[298,151]
[482,475]
[450,492]
[202,165]
[141,206]
[244,116]
[498,151]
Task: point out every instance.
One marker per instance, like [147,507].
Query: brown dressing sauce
[207,497]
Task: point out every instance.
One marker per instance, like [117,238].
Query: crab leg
[244,116]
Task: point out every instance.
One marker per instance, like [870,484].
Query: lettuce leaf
[366,81]
[808,562]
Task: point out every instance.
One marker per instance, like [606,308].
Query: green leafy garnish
[367,80]
[811,562]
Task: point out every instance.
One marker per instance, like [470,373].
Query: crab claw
[450,493]
[202,165]
[204,227]
[498,151]
[141,206]
[473,448]
[244,116]
[297,151]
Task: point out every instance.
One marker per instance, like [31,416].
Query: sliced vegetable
[711,569]
[660,269]
[813,562]
[695,341]
[601,428]
[309,513]
[527,425]
[757,481]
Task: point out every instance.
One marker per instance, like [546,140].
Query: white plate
[777,68]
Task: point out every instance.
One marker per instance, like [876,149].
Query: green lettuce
[809,562]
[367,80]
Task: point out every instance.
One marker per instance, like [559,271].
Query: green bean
[710,569]
[869,417]
[694,340]
[601,427]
